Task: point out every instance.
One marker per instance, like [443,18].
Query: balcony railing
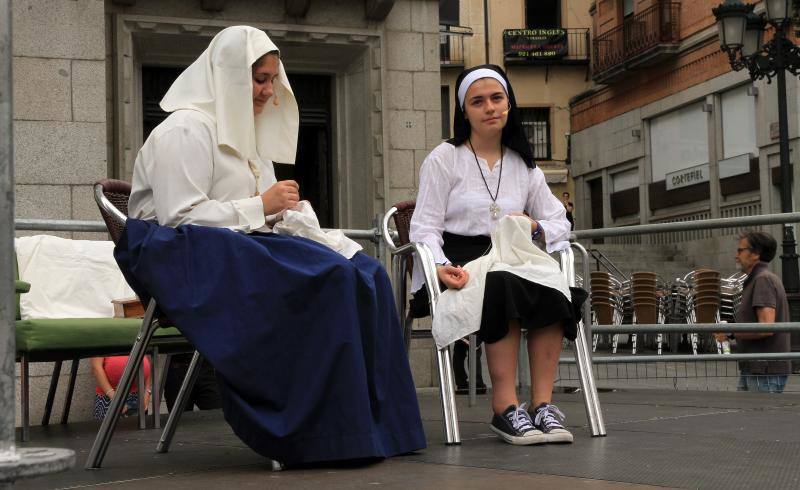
[641,38]
[546,46]
[451,45]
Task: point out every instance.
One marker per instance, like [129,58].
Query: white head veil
[219,84]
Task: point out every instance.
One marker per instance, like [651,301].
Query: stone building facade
[87,73]
[670,133]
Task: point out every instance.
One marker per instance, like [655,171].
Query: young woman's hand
[281,195]
[454,277]
[534,223]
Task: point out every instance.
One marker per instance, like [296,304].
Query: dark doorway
[312,169]
[596,201]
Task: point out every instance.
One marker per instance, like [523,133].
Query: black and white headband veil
[513,136]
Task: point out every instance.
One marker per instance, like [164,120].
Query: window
[536,123]
[679,140]
[448,12]
[445,112]
[627,179]
[627,8]
[738,123]
[542,14]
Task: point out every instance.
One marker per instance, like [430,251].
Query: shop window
[536,123]
[678,140]
[738,123]
[542,14]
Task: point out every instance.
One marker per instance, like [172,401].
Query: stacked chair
[606,303]
[645,302]
[730,293]
[704,299]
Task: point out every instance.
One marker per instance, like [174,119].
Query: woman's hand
[281,195]
[454,277]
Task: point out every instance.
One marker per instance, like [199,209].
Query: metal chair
[400,260]
[112,199]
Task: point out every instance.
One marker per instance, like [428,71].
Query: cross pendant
[494,210]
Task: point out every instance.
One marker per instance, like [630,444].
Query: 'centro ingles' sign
[532,44]
[687,177]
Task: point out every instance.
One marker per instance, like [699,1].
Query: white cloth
[474,76]
[182,175]
[219,84]
[302,221]
[453,197]
[458,311]
[69,278]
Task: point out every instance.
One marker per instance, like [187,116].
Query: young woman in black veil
[467,184]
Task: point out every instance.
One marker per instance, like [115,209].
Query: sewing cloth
[459,311]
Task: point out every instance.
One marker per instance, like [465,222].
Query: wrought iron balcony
[546,46]
[641,40]
[451,45]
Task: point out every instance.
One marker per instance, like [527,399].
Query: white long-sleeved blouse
[453,197]
[182,176]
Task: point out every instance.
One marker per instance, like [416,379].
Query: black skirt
[507,296]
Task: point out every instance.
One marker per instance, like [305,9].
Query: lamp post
[741,35]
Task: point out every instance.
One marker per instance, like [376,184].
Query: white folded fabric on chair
[69,278]
[458,311]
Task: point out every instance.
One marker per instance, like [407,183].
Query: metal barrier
[735,222]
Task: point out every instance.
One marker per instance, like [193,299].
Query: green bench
[73,339]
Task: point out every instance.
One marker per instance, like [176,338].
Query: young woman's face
[264,74]
[486,106]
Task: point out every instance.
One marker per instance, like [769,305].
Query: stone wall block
[89,91]
[59,29]
[403,51]
[433,129]
[427,91]
[401,168]
[399,18]
[425,16]
[407,130]
[83,204]
[42,89]
[62,152]
[431,55]
[400,89]
[43,202]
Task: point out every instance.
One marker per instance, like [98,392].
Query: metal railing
[651,27]
[451,45]
[602,260]
[677,227]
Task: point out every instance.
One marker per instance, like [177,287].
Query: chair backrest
[402,223]
[112,198]
[402,219]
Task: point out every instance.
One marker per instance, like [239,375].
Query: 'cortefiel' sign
[688,176]
[532,44]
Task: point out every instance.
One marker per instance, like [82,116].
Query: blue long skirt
[306,344]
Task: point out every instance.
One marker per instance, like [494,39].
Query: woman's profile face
[486,105]
[264,74]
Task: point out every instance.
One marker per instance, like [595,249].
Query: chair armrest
[21,286]
[428,264]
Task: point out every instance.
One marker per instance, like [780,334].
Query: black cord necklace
[494,209]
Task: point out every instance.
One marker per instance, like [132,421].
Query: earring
[275,100]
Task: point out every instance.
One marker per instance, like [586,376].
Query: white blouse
[182,176]
[453,197]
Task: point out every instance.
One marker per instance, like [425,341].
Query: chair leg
[142,418]
[472,356]
[51,393]
[694,343]
[155,395]
[449,411]
[633,343]
[73,374]
[100,446]
[184,394]
[25,372]
[407,327]
[659,341]
[614,343]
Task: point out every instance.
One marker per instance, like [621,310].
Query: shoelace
[548,416]
[520,419]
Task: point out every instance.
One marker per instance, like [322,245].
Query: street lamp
[741,36]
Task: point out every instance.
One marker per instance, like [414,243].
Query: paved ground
[676,439]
